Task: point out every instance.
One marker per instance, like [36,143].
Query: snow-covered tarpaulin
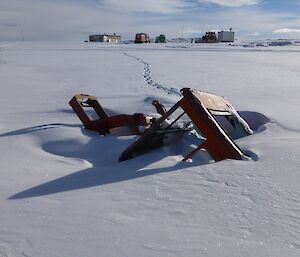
[64,193]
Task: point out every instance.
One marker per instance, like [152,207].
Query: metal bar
[98,109]
[175,120]
[105,123]
[129,152]
[218,143]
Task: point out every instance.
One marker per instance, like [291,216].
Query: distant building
[209,37]
[160,39]
[141,38]
[198,40]
[105,38]
[226,36]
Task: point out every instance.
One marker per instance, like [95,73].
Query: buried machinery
[211,116]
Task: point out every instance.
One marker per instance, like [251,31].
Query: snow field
[64,193]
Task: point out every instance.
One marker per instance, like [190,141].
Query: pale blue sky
[76,19]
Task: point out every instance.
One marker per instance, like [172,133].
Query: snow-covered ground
[64,193]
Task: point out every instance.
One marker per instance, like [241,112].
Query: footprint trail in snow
[150,81]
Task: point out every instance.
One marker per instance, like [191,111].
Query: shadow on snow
[103,154]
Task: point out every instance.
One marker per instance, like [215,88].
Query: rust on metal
[104,123]
[159,107]
[202,110]
[217,143]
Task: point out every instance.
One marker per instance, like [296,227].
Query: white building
[226,36]
[105,38]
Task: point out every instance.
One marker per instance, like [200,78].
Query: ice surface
[64,193]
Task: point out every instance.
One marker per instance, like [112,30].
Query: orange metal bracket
[218,144]
[201,107]
[105,123]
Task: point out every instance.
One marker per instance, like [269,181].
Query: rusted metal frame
[192,153]
[105,123]
[98,108]
[122,120]
[77,105]
[160,108]
[218,143]
[103,126]
[220,106]
[174,121]
[147,135]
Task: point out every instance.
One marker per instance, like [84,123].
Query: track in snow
[148,79]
